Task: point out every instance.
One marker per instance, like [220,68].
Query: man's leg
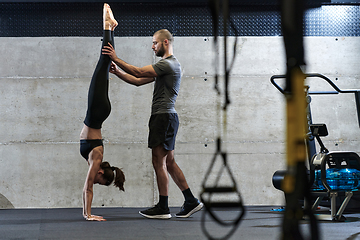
[161,210]
[175,171]
[191,204]
[164,163]
[159,156]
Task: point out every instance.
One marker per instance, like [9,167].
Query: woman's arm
[95,159]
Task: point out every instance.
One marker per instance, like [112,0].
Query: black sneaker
[156,213]
[189,208]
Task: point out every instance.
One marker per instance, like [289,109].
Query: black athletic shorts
[163,129]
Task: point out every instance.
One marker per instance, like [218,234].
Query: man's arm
[143,72]
[130,78]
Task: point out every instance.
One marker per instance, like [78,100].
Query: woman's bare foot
[108,18]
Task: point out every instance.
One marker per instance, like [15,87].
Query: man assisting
[163,123]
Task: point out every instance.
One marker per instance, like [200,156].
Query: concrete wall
[43,97]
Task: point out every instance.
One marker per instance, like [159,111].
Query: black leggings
[99,106]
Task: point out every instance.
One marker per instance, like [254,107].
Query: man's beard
[161,51]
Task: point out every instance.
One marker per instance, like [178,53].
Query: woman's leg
[99,107]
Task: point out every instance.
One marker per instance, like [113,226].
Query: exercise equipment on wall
[333,175]
[215,195]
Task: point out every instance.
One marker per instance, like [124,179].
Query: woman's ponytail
[119,178]
[109,175]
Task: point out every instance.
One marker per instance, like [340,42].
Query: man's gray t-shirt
[167,85]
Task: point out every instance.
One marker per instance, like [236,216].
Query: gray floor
[125,223]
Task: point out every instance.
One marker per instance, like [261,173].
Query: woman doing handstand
[91,145]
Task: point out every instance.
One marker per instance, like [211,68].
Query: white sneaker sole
[198,208]
[162,216]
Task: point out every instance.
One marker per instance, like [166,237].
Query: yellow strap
[296,127]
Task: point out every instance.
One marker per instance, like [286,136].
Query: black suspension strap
[217,196]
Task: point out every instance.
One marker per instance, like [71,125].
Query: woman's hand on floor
[95,218]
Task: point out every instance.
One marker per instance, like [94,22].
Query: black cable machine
[320,161]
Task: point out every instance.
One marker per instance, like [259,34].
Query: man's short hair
[165,34]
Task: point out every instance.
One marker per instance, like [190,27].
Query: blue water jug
[339,179]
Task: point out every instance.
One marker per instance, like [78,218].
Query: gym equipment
[294,183]
[209,190]
[335,173]
[212,205]
[331,174]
